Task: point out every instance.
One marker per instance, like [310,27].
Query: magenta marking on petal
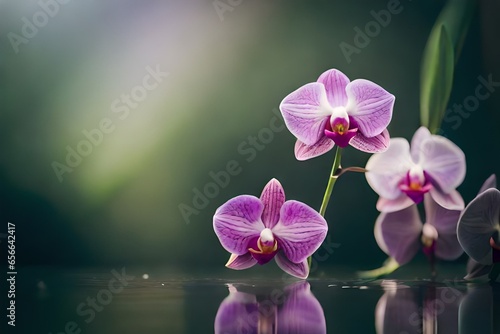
[263,258]
[341,140]
[417,195]
[415,186]
[353,123]
[262,253]
[339,124]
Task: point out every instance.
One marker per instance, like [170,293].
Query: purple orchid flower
[334,110]
[256,230]
[401,234]
[242,312]
[402,175]
[479,230]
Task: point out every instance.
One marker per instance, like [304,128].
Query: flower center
[339,120]
[339,128]
[415,184]
[340,125]
[267,247]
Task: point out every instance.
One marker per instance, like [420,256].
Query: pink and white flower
[403,174]
[256,230]
[335,111]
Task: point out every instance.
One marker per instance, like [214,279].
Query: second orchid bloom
[403,174]
[429,170]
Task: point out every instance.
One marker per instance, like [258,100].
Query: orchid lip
[415,184]
[339,129]
[341,139]
[264,248]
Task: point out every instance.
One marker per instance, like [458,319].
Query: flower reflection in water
[293,309]
[477,309]
[400,310]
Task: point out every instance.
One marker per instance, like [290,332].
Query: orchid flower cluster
[334,112]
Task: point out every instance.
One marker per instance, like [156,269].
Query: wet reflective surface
[131,300]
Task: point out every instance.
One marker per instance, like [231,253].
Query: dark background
[121,203]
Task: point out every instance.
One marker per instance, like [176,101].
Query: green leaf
[436,77]
[441,53]
[456,17]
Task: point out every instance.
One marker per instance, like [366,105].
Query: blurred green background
[120,203]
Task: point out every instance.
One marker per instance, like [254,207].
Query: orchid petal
[420,136]
[240,262]
[396,304]
[490,182]
[376,144]
[478,223]
[386,170]
[300,231]
[305,152]
[233,314]
[273,197]
[370,105]
[335,83]
[451,201]
[301,312]
[237,221]
[445,221]
[477,271]
[306,112]
[443,161]
[398,233]
[392,205]
[299,270]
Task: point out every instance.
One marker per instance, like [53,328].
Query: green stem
[331,182]
[328,192]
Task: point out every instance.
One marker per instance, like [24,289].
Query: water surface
[144,300]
